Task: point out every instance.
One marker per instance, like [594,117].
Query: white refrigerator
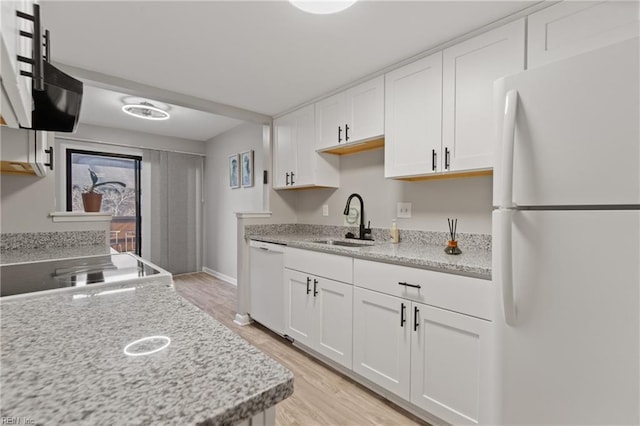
[566,232]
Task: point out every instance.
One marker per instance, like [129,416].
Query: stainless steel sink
[342,243]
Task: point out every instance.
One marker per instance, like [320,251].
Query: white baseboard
[242,319]
[220,276]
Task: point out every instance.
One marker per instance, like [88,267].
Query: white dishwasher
[266,285]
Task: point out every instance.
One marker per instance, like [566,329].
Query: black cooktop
[39,276]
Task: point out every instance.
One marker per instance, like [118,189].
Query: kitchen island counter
[63,361]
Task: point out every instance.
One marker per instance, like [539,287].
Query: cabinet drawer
[470,296]
[339,268]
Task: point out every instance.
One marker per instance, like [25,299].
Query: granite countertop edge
[233,409]
[472,263]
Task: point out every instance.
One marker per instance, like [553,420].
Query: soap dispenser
[395,234]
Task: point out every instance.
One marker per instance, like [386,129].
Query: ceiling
[262,56]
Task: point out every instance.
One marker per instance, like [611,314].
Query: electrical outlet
[325,210]
[403,210]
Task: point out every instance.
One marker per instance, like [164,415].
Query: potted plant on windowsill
[92,200]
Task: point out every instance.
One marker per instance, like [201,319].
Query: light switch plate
[325,210]
[404,210]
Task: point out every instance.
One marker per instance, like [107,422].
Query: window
[123,202]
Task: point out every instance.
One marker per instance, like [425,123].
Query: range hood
[56,108]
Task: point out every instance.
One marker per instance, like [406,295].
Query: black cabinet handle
[50,163]
[446,158]
[37,61]
[308,283]
[346,132]
[434,157]
[287,182]
[410,285]
[315,291]
[403,318]
[339,134]
[292,182]
[416,323]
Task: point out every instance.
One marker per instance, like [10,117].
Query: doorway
[123,202]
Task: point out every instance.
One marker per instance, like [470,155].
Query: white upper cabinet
[413,118]
[16,89]
[26,152]
[469,70]
[352,116]
[296,163]
[570,28]
[438,110]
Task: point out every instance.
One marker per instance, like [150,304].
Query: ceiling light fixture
[146,110]
[322,7]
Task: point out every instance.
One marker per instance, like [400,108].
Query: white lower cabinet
[319,314]
[449,364]
[382,340]
[421,335]
[434,358]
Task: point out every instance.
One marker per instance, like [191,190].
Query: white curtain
[175,226]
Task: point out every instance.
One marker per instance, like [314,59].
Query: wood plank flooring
[321,395]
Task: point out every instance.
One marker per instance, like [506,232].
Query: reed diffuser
[452,245]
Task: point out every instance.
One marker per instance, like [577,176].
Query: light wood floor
[321,395]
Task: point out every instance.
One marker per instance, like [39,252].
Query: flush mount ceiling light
[322,7]
[145,110]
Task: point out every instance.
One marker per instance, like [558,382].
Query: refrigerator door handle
[508,142]
[506,267]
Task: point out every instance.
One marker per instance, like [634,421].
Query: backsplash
[35,246]
[470,241]
[42,240]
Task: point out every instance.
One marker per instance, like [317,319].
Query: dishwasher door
[266,285]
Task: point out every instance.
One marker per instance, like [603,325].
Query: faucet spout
[363,232]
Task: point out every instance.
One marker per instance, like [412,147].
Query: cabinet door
[334,309]
[570,28]
[300,305]
[17,88]
[449,358]
[381,340]
[283,150]
[330,121]
[413,118]
[39,158]
[364,111]
[304,170]
[469,70]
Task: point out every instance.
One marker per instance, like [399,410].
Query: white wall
[26,201]
[468,199]
[135,139]
[222,202]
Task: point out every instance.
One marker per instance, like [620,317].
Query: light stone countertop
[63,362]
[474,262]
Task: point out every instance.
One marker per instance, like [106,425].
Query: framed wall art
[246,162]
[234,171]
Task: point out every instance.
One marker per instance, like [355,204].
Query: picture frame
[246,164]
[234,171]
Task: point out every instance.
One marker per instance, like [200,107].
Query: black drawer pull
[403,318]
[410,285]
[433,160]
